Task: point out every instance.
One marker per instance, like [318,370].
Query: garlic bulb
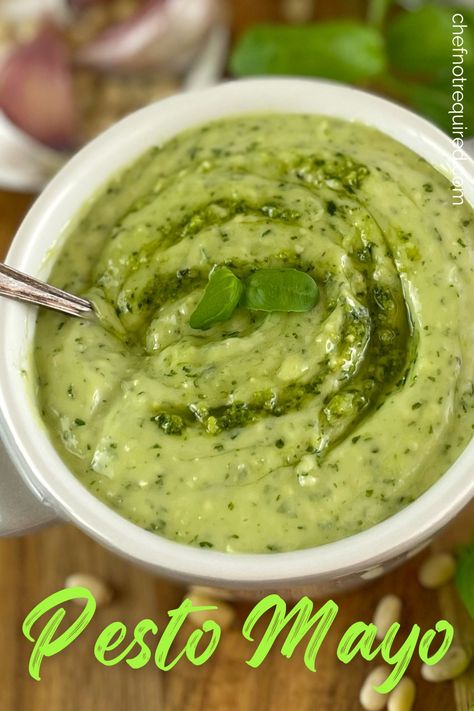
[36,91]
[21,10]
[162,33]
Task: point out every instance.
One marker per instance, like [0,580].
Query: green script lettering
[178,617]
[302,611]
[114,634]
[427,639]
[46,645]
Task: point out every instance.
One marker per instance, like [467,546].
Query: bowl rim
[27,440]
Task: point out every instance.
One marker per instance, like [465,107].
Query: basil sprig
[280,290]
[386,53]
[345,50]
[268,290]
[220,299]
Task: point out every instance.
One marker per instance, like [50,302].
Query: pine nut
[370,699]
[224,615]
[402,697]
[453,664]
[214,593]
[386,613]
[99,589]
[297,11]
[437,570]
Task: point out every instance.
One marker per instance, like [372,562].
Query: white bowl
[317,570]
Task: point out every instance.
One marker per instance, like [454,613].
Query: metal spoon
[19,286]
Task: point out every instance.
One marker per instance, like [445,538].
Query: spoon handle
[22,287]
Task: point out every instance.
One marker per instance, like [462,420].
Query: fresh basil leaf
[345,50]
[464,579]
[421,42]
[280,290]
[220,299]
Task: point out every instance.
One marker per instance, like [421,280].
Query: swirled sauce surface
[278,431]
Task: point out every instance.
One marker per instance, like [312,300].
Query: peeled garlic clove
[387,612]
[162,33]
[224,615]
[453,664]
[403,696]
[437,570]
[36,92]
[213,593]
[370,699]
[298,11]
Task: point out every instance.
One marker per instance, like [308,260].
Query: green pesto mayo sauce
[269,432]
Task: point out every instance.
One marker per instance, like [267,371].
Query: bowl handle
[21,511]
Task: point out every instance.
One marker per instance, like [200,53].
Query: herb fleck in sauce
[271,431]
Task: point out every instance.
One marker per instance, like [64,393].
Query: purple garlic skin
[36,92]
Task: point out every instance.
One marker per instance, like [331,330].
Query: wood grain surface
[33,567]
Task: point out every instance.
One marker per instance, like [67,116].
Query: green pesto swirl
[270,431]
